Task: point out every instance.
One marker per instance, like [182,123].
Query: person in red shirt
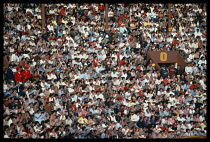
[63,38]
[101,7]
[52,37]
[18,76]
[174,42]
[95,62]
[141,93]
[26,74]
[122,62]
[165,81]
[50,98]
[126,87]
[192,86]
[22,62]
[62,11]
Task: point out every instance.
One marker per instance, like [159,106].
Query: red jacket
[174,42]
[18,76]
[192,87]
[122,62]
[62,11]
[141,94]
[101,7]
[25,74]
[95,63]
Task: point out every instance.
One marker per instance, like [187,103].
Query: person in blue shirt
[9,92]
[100,56]
[186,86]
[86,75]
[41,68]
[189,98]
[59,68]
[39,116]
[36,31]
[60,33]
[152,120]
[183,79]
[193,92]
[22,92]
[133,66]
[83,96]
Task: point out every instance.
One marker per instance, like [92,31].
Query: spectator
[73,70]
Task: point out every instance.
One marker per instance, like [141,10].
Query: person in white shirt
[114,74]
[189,125]
[197,33]
[118,125]
[202,60]
[191,57]
[116,81]
[110,13]
[181,118]
[147,113]
[125,130]
[51,90]
[202,118]
[51,76]
[134,117]
[42,61]
[123,29]
[14,57]
[100,95]
[112,117]
[188,69]
[50,27]
[69,38]
[128,94]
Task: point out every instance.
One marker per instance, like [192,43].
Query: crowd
[75,80]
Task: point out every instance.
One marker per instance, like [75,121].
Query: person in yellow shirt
[146,23]
[83,120]
[203,125]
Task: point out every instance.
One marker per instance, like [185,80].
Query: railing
[194,137]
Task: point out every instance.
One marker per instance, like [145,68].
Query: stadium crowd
[74,80]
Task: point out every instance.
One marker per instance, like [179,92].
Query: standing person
[17,75]
[164,71]
[9,73]
[179,70]
[172,71]
[26,74]
[188,70]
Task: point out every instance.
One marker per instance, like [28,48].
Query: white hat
[142,136]
[24,133]
[145,104]
[6,136]
[104,126]
[198,129]
[159,129]
[197,96]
